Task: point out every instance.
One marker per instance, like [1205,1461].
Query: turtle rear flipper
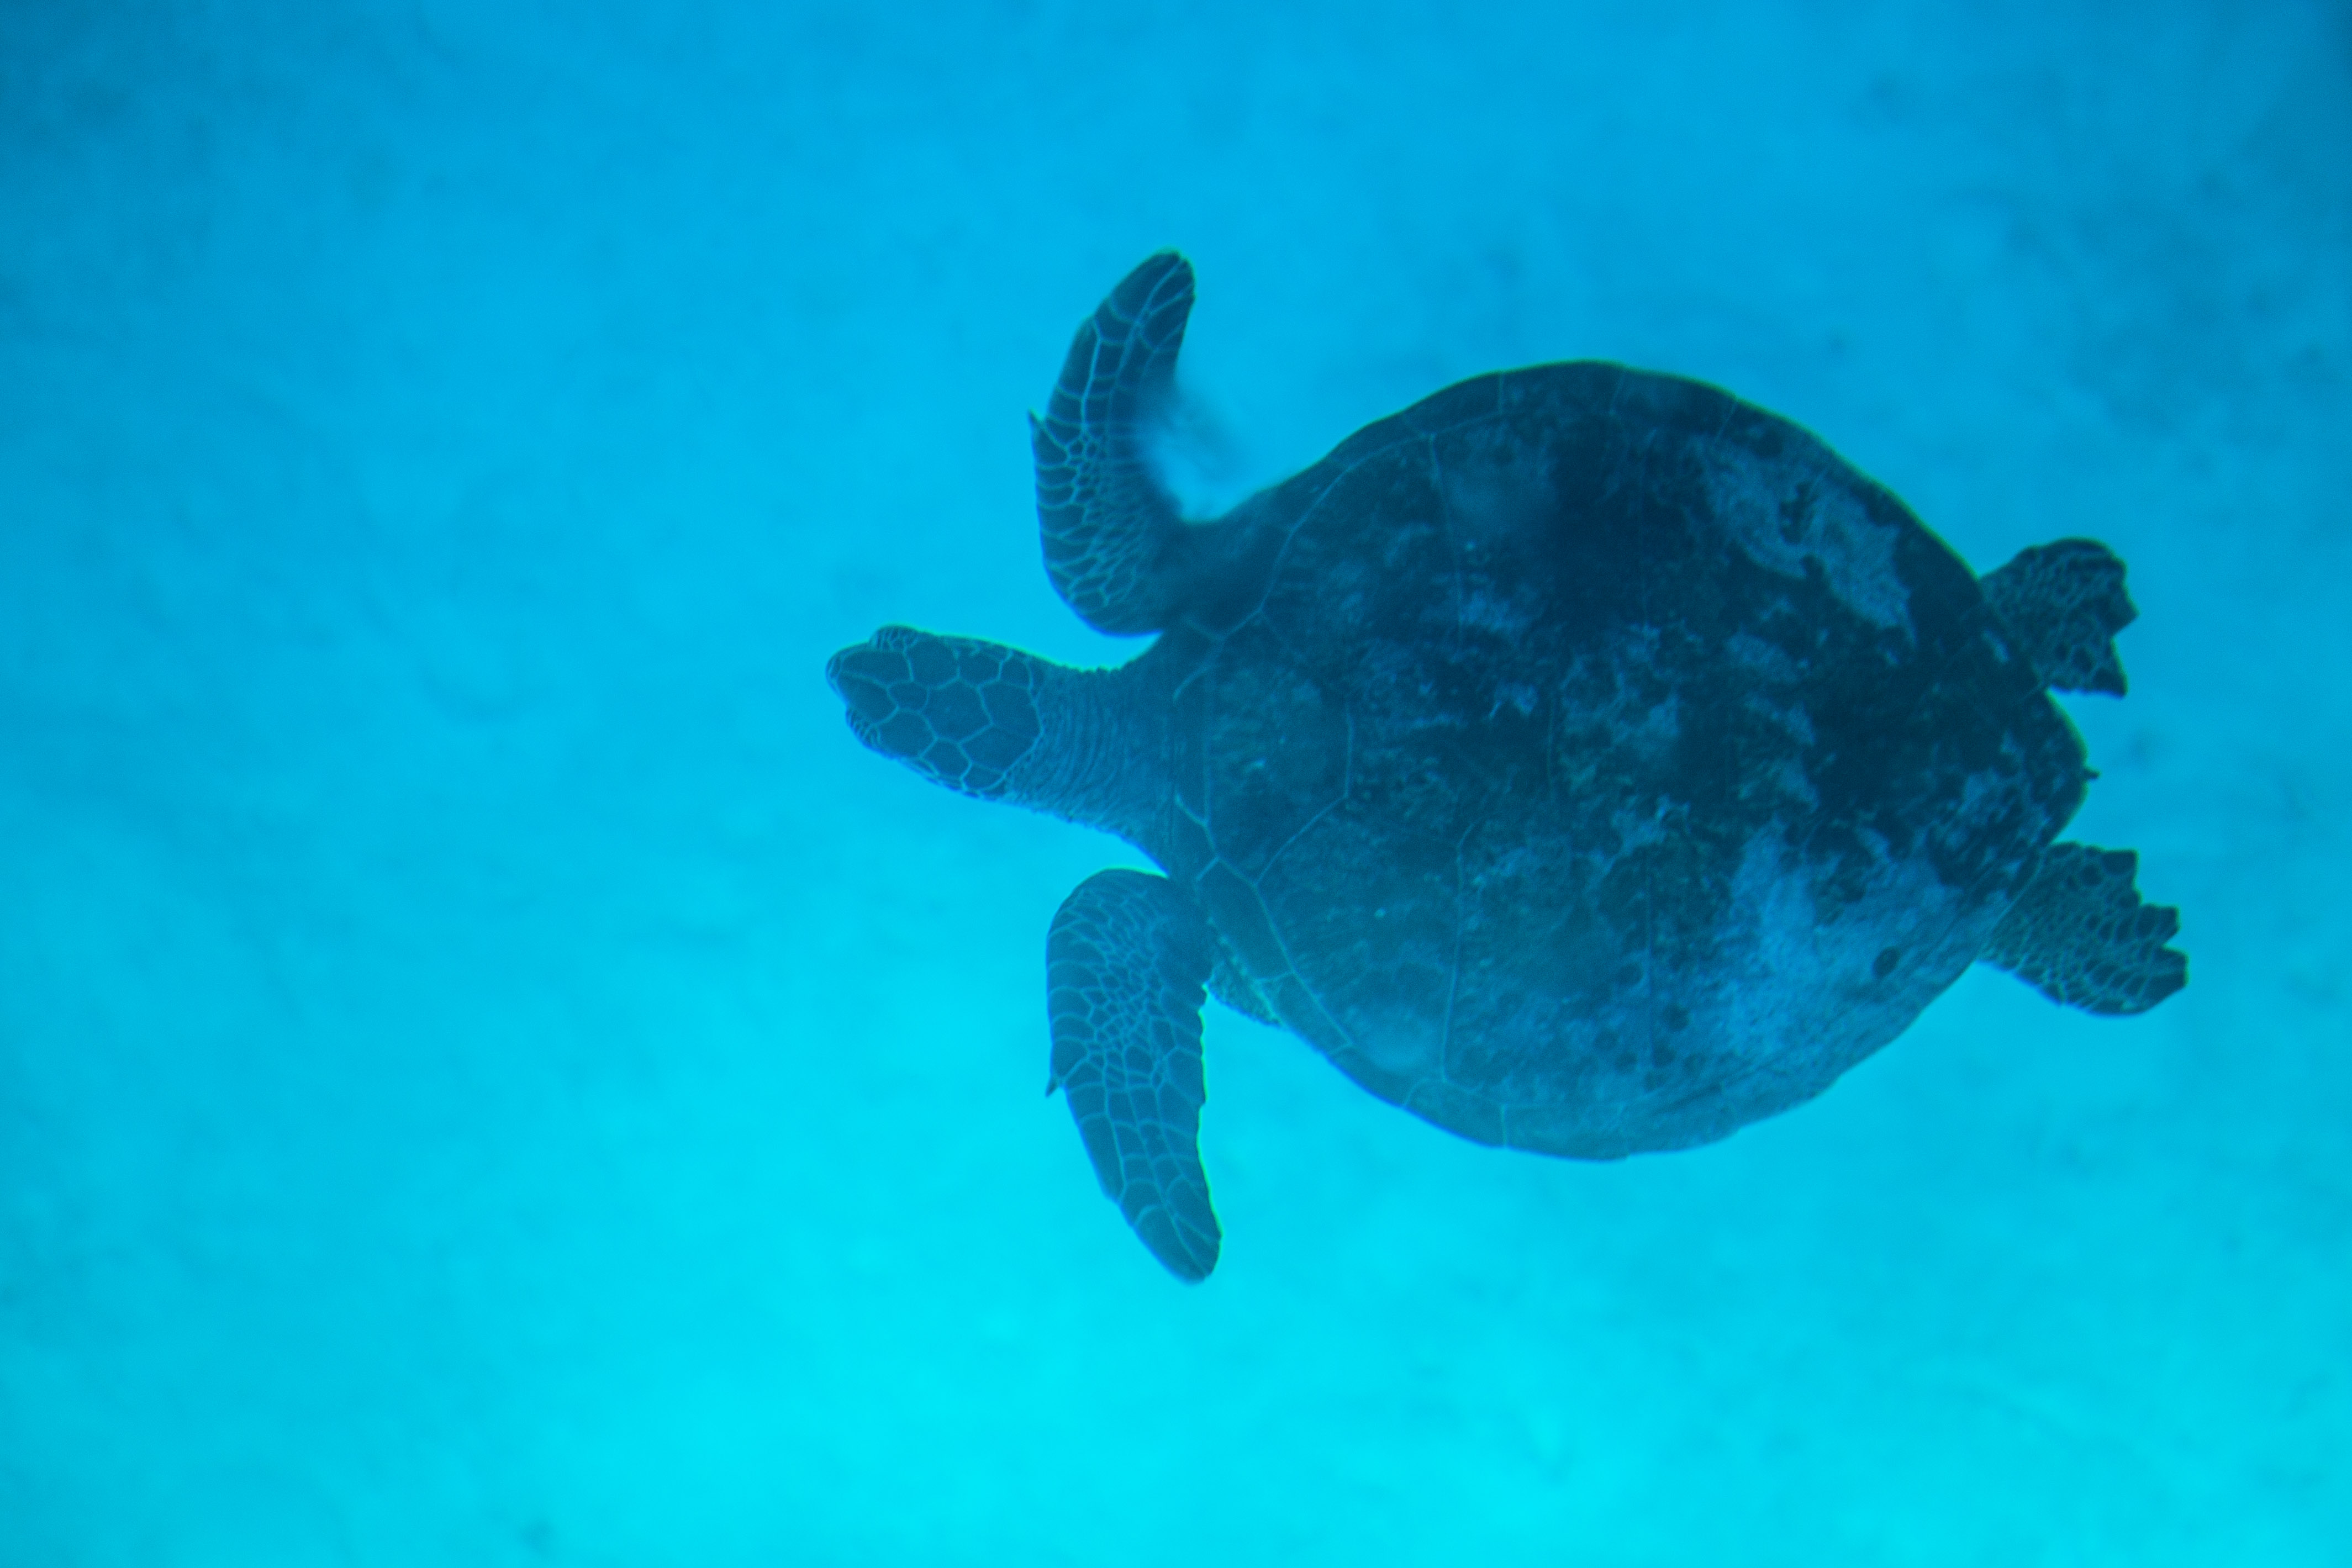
[2081,935]
[2064,603]
[1124,965]
[1111,527]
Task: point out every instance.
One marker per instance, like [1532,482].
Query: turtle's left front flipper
[1125,963]
[2080,934]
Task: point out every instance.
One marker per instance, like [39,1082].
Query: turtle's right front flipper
[1124,966]
[2080,934]
[1110,526]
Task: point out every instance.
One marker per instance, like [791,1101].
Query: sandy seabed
[490,1074]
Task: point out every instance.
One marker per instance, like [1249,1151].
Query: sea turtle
[1584,759]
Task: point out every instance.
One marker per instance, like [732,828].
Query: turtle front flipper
[1110,526]
[2080,934]
[1124,966]
[2064,603]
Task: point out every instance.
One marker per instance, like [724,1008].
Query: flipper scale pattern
[1125,964]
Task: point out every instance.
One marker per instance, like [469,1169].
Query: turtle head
[959,712]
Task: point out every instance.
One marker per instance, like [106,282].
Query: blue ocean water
[491,1073]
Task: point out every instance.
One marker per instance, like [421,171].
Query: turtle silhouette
[1584,759]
